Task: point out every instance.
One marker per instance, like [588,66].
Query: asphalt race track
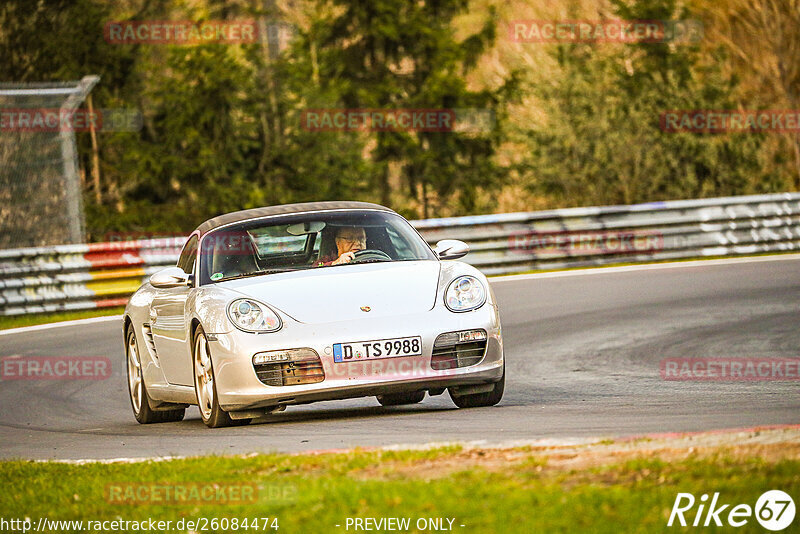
[582,351]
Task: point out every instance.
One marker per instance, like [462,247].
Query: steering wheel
[371,254]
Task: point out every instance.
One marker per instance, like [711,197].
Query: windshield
[308,241]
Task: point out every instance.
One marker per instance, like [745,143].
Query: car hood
[342,293]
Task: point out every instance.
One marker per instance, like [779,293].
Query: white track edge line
[75,322]
[620,441]
[643,267]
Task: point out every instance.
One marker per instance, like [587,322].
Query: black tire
[145,414]
[213,416]
[172,416]
[398,399]
[477,400]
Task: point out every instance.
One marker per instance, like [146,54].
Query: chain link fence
[40,188]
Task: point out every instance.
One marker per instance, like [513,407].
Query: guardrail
[73,277]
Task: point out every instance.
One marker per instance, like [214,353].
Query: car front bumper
[239,388]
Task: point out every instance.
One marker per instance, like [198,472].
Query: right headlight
[252,316]
[465,293]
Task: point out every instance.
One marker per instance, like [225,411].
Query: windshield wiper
[254,273]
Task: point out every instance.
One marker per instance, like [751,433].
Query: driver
[349,240]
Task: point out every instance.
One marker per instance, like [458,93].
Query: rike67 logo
[774,510]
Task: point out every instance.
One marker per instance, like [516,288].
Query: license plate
[382,348]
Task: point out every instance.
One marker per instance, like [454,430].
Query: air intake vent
[148,339]
[288,367]
[458,349]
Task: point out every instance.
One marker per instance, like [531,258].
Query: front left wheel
[140,400]
[205,386]
[476,400]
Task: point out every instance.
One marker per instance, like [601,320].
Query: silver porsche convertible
[300,303]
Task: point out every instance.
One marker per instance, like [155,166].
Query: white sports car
[307,302]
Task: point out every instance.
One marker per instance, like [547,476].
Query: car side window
[188,255]
[403,251]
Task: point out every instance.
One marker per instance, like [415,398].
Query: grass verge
[602,488]
[17,321]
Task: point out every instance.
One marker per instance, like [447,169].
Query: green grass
[16,321]
[313,493]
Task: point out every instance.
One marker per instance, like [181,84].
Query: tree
[603,143]
[763,37]
[393,54]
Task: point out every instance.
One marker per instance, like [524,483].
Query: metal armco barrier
[72,277]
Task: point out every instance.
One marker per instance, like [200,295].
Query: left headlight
[465,293]
[252,316]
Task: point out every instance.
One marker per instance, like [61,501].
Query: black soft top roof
[285,209]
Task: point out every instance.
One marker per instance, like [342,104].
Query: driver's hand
[347,257]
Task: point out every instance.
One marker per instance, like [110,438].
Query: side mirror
[169,277]
[451,249]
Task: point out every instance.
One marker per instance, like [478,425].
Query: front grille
[449,353]
[297,366]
